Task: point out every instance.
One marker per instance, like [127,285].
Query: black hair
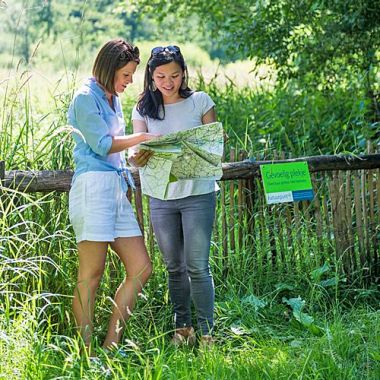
[151,103]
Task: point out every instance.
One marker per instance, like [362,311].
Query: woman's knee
[90,279]
[198,271]
[142,273]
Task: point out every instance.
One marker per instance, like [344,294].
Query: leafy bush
[297,122]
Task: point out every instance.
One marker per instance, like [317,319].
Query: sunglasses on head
[166,49]
[128,54]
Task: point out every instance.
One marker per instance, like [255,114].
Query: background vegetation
[295,77]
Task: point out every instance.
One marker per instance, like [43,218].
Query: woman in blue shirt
[98,207]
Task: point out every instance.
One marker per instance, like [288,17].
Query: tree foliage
[297,36]
[323,43]
[28,20]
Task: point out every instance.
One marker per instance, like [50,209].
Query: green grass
[259,330]
[251,344]
[271,323]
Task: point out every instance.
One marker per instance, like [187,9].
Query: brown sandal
[184,336]
[206,342]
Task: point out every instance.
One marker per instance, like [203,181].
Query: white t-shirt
[181,116]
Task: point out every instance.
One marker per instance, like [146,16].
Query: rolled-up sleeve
[90,123]
[206,102]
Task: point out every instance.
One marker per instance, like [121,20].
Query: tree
[29,20]
[321,42]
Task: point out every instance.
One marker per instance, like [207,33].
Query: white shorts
[99,210]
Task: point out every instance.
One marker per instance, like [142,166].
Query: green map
[195,153]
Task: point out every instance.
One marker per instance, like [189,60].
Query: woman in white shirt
[183,219]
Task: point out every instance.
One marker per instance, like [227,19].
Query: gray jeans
[183,230]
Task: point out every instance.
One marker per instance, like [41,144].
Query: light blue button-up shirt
[95,122]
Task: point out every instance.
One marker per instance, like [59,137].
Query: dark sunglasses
[166,49]
[128,54]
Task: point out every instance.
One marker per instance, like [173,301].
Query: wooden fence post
[2,175]
[241,206]
[359,222]
[377,239]
[2,170]
[150,230]
[348,222]
[231,228]
[224,226]
[371,225]
[139,209]
[272,226]
[318,218]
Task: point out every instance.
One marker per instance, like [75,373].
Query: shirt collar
[94,85]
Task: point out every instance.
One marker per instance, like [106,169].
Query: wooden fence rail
[341,225]
[60,180]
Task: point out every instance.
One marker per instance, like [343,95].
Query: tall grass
[258,332]
[267,326]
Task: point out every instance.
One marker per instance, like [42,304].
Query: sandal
[206,342]
[184,336]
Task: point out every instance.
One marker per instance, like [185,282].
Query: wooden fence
[341,225]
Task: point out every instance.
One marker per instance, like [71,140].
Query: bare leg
[138,267]
[92,256]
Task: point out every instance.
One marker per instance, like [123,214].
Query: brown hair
[114,55]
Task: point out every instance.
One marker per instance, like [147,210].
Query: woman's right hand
[140,158]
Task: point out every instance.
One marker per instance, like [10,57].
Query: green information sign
[288,182]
